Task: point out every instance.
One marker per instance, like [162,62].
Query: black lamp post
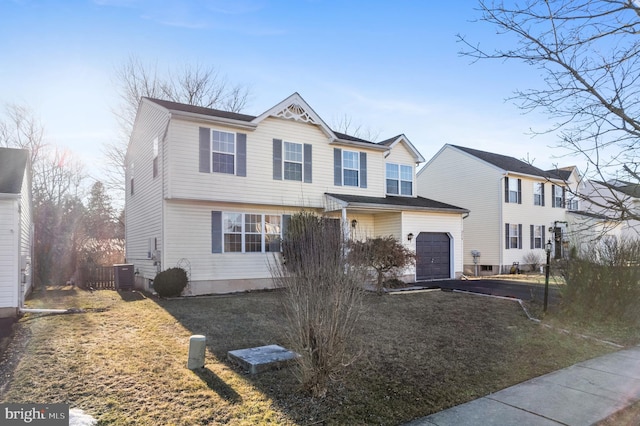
[546,277]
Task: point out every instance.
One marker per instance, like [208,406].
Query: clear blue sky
[392,66]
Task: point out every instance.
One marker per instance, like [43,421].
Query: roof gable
[13,163]
[391,142]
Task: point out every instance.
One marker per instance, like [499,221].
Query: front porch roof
[392,203]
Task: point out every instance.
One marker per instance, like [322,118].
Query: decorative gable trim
[297,109]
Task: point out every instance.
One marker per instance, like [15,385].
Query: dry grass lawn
[123,359]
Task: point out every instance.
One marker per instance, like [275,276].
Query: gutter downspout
[501,191]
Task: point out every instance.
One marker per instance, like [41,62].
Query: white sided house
[16,229]
[515,208]
[211,191]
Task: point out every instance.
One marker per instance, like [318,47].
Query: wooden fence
[98,277]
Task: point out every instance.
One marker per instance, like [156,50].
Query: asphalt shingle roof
[202,110]
[12,165]
[507,163]
[419,202]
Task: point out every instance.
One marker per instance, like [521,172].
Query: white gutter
[501,220]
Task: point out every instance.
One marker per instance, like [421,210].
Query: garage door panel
[433,256]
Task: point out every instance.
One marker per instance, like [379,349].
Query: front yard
[123,359]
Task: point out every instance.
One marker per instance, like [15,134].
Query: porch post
[345,225]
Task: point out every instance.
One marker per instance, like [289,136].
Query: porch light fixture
[354,223]
[410,236]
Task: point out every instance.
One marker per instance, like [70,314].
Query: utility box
[124,276]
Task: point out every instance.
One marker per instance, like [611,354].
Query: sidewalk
[582,394]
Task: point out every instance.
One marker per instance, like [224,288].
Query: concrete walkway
[582,394]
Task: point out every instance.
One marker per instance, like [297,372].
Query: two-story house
[515,208]
[16,229]
[211,191]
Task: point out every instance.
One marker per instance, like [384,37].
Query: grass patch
[124,360]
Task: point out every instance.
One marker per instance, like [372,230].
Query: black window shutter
[337,166]
[506,233]
[241,154]
[553,195]
[542,192]
[520,236]
[286,219]
[307,163]
[363,170]
[506,189]
[543,238]
[205,150]
[519,191]
[277,159]
[532,236]
[564,194]
[216,232]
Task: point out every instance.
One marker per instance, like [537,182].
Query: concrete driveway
[516,289]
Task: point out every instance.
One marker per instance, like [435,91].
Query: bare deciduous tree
[346,125]
[588,52]
[322,296]
[192,84]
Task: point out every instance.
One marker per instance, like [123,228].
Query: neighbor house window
[399,179]
[248,232]
[537,236]
[572,203]
[155,157]
[558,196]
[513,233]
[350,168]
[293,161]
[223,152]
[513,190]
[538,193]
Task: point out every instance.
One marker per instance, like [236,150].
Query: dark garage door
[433,254]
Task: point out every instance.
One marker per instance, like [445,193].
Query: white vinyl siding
[9,258]
[472,185]
[186,182]
[143,209]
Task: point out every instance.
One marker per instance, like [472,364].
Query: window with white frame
[399,179]
[513,190]
[558,196]
[572,203]
[538,236]
[155,157]
[293,161]
[350,168]
[232,228]
[538,194]
[223,152]
[513,236]
[251,232]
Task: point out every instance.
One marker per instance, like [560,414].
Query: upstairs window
[399,179]
[538,193]
[223,152]
[293,161]
[558,194]
[513,189]
[155,157]
[351,168]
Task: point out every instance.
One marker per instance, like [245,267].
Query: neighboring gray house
[16,229]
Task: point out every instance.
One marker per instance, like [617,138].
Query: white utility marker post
[197,346]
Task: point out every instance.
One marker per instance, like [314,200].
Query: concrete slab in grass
[262,358]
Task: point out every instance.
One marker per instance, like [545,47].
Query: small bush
[171,282]
[533,260]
